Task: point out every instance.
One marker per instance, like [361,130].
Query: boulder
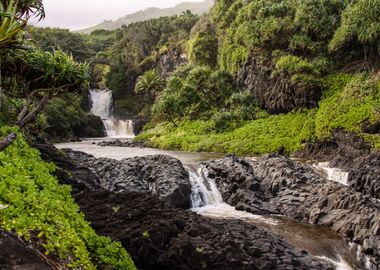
[159,175]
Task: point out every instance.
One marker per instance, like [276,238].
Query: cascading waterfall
[333,174]
[102,107]
[201,195]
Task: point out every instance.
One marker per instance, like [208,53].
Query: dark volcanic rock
[161,176]
[119,143]
[341,149]
[352,153]
[275,94]
[365,174]
[297,192]
[68,172]
[161,237]
[238,184]
[15,255]
[94,128]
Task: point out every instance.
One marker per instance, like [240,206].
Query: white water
[333,174]
[102,107]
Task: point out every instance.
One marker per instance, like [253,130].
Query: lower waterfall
[101,101]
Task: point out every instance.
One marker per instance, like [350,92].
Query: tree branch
[8,140]
[24,110]
[32,115]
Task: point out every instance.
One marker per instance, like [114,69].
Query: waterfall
[204,190]
[102,107]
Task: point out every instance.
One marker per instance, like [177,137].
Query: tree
[13,19]
[149,84]
[37,76]
[360,23]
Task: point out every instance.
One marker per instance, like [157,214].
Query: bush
[37,207]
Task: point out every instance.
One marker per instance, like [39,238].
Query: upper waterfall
[102,106]
[101,103]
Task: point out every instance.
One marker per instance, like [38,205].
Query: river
[316,240]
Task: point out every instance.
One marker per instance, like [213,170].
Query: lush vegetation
[33,203]
[36,206]
[311,63]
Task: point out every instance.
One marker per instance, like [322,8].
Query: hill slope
[152,13]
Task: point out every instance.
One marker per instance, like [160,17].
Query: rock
[16,255]
[238,184]
[296,191]
[68,171]
[161,237]
[93,129]
[351,153]
[159,175]
[118,143]
[365,174]
[341,149]
[276,95]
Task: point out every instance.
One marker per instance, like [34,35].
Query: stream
[207,200]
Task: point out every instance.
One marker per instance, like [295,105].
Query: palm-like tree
[149,84]
[13,19]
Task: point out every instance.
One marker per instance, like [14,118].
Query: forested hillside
[152,13]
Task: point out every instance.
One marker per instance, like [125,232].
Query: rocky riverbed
[143,202]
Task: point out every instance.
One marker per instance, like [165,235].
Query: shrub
[36,206]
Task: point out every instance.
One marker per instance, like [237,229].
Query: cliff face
[275,94]
[167,62]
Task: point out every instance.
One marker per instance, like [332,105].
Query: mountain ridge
[151,13]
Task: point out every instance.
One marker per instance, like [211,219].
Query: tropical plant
[149,84]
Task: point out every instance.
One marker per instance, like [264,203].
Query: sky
[79,14]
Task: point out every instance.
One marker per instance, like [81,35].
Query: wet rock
[15,255]
[159,175]
[351,153]
[94,128]
[161,237]
[296,191]
[238,184]
[365,174]
[119,143]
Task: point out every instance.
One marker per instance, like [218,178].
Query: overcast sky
[78,14]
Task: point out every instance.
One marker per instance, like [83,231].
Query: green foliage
[360,23]
[49,72]
[52,39]
[203,46]
[139,43]
[349,103]
[149,84]
[65,117]
[194,92]
[263,135]
[10,25]
[37,206]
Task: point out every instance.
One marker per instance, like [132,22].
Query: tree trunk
[8,140]
[33,114]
